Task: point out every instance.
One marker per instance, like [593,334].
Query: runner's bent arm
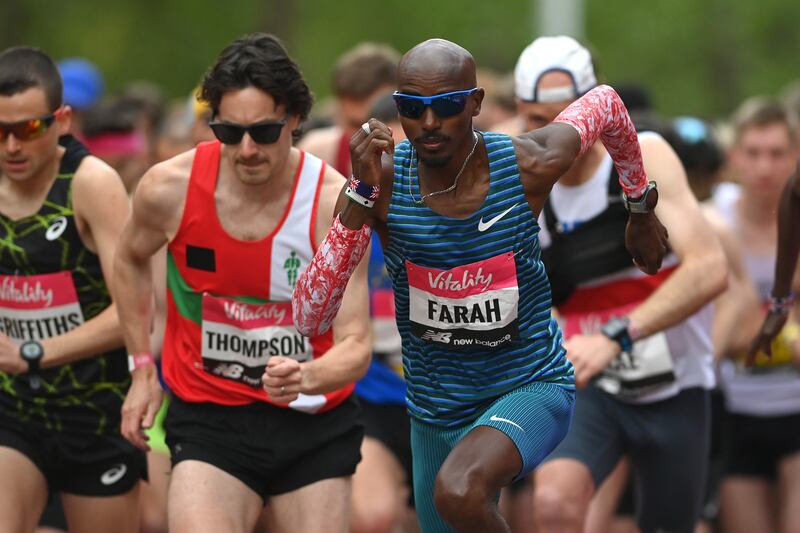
[349,357]
[785,264]
[702,272]
[544,155]
[99,225]
[318,294]
[701,275]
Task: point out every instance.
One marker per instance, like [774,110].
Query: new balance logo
[483,226]
[432,336]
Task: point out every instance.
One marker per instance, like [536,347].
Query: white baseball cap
[554,54]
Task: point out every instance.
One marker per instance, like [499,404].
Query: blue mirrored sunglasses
[444,105]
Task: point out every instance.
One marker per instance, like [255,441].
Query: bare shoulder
[662,164]
[322,142]
[95,176]
[161,193]
[332,183]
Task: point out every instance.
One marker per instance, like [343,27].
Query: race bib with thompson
[468,307]
[239,338]
[38,307]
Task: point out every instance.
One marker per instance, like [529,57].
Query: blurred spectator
[761,486]
[359,77]
[149,101]
[174,134]
[113,132]
[385,110]
[498,104]
[701,154]
[200,116]
[83,87]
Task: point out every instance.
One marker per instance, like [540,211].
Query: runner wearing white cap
[641,346]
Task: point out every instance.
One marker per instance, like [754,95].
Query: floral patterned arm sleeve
[320,288]
[600,114]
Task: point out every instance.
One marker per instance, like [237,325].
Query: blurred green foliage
[697,56]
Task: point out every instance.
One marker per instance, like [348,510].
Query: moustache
[250,162]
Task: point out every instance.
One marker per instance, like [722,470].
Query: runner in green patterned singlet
[59,426]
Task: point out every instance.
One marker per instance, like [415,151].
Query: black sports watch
[32,352]
[616,329]
[640,205]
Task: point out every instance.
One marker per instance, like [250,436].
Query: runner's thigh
[203,498]
[23,491]
[321,507]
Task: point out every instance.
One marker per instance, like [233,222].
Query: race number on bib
[467,307]
[239,338]
[38,307]
[648,367]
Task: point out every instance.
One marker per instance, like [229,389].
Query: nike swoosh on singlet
[483,226]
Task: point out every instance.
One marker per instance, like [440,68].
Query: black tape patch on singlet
[201,258]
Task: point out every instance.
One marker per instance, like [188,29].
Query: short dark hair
[118,115]
[23,68]
[365,69]
[258,60]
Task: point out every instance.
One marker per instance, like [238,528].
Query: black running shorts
[79,464]
[272,450]
[389,424]
[755,445]
[667,442]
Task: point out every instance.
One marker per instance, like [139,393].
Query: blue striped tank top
[472,297]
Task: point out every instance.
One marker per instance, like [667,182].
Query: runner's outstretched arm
[785,266]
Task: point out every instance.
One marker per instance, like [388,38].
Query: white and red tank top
[659,366]
[771,387]
[229,301]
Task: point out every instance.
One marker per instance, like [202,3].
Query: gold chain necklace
[443,191]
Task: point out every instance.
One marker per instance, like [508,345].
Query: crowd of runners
[448,300]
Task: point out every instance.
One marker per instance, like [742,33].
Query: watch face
[31,350]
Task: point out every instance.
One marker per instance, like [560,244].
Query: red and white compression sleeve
[320,288]
[601,114]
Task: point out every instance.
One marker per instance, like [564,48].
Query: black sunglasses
[266,132]
[444,105]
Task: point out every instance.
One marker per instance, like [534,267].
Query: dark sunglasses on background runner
[262,132]
[444,105]
[30,129]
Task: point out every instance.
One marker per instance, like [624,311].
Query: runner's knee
[555,510]
[378,515]
[458,495]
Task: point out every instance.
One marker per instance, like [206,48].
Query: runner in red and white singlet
[260,413]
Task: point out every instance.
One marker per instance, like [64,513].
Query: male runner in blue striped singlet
[489,387]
